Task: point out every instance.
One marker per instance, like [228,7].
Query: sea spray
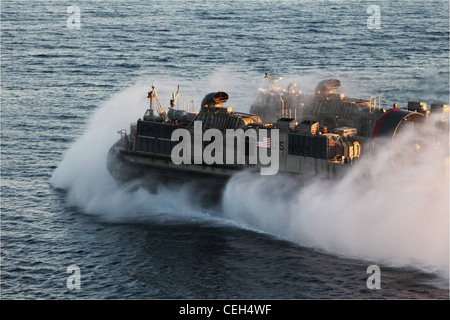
[83,172]
[373,213]
[395,216]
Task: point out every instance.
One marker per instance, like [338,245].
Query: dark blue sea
[66,91]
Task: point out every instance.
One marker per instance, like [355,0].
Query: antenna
[150,96]
[175,97]
[154,95]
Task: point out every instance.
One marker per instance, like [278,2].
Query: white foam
[399,220]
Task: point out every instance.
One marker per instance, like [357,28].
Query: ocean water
[66,92]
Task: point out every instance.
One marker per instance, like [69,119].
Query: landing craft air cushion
[323,135]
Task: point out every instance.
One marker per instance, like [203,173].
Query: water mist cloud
[373,214]
[83,173]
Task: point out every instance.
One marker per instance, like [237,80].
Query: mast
[154,95]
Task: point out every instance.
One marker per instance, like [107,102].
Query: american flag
[263,142]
